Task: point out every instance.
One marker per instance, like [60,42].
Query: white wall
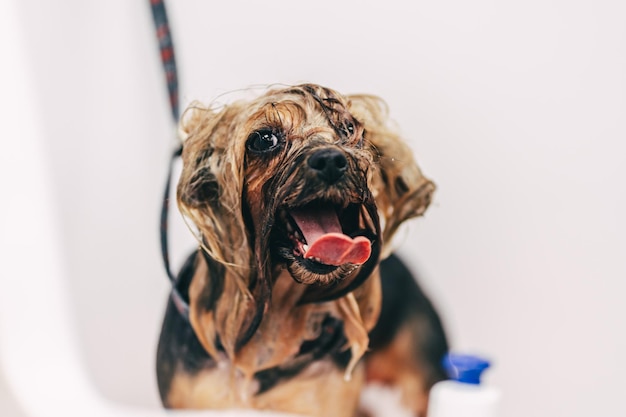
[515,109]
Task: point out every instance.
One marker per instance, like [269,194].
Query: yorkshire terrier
[296,196]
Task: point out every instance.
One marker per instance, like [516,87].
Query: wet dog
[296,196]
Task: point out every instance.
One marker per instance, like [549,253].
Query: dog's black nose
[329,164]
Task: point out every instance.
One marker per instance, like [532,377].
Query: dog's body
[285,291]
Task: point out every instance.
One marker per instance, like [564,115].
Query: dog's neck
[269,345]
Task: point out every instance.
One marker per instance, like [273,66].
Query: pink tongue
[327,243]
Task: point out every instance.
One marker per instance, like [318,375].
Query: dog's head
[302,178]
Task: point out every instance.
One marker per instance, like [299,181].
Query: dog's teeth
[305,248]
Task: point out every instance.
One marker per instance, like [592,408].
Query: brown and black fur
[267,328]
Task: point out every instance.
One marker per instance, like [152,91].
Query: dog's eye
[347,129]
[263,140]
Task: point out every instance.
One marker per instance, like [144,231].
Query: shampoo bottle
[463,395]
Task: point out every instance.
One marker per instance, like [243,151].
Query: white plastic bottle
[463,395]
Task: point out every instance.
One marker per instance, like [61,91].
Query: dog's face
[307,186]
[299,178]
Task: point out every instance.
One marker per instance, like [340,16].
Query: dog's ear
[400,189]
[210,185]
[209,194]
[198,186]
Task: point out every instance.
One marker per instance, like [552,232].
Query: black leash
[166,48]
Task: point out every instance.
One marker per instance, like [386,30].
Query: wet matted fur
[270,327]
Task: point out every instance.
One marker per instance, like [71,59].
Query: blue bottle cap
[465,368]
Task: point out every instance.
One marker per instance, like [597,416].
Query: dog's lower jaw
[304,275]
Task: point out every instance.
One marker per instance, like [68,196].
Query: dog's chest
[318,390]
[290,336]
[285,328]
[294,347]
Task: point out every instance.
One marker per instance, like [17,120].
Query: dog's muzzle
[327,225]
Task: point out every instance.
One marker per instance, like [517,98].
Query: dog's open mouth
[323,238]
[319,237]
